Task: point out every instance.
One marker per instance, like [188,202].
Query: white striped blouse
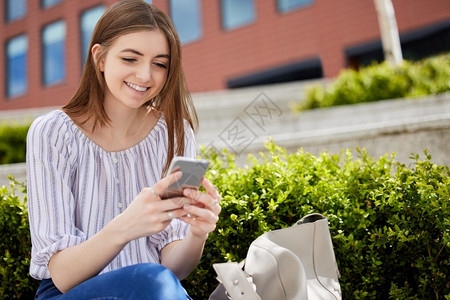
[74,188]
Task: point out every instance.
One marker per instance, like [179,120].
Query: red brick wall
[39,95]
[322,30]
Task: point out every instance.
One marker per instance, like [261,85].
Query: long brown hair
[174,100]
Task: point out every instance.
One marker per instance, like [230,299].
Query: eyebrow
[140,54]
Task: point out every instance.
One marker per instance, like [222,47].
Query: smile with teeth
[136,87]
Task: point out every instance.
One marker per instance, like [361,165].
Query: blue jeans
[141,281]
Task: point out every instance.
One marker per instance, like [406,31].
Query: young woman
[96,169]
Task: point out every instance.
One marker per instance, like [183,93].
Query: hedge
[389,222]
[381,81]
[13,142]
[15,244]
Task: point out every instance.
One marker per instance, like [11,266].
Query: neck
[128,127]
[126,123]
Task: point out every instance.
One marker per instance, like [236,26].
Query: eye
[161,65]
[129,60]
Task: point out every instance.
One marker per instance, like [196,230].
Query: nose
[143,73]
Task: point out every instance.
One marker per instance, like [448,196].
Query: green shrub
[15,245]
[389,222]
[13,143]
[382,81]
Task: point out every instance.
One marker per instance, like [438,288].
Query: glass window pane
[287,5]
[16,61]
[15,9]
[236,13]
[186,17]
[54,40]
[49,3]
[89,19]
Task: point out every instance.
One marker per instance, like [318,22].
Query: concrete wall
[242,120]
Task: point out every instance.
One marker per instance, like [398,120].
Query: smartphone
[192,170]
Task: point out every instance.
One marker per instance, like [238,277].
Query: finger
[213,204]
[206,200]
[195,195]
[201,214]
[199,227]
[165,182]
[171,204]
[178,202]
[154,192]
[216,206]
[210,189]
[203,200]
[174,214]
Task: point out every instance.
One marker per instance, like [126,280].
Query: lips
[137,87]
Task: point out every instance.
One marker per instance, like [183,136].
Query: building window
[288,5]
[89,19]
[16,66]
[186,17]
[53,41]
[237,13]
[15,9]
[49,3]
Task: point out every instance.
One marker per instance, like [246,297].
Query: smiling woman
[96,169]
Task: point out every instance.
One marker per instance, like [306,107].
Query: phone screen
[192,172]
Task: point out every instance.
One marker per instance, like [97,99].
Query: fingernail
[187,206]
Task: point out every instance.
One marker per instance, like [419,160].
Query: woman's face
[135,68]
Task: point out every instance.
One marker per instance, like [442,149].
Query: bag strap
[235,281]
[311,218]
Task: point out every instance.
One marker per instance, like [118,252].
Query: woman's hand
[148,214]
[203,214]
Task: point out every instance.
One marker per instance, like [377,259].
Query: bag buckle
[236,282]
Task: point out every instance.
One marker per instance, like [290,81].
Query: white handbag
[297,262]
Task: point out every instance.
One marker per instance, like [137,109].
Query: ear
[96,51]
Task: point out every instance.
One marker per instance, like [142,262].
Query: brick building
[226,43]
